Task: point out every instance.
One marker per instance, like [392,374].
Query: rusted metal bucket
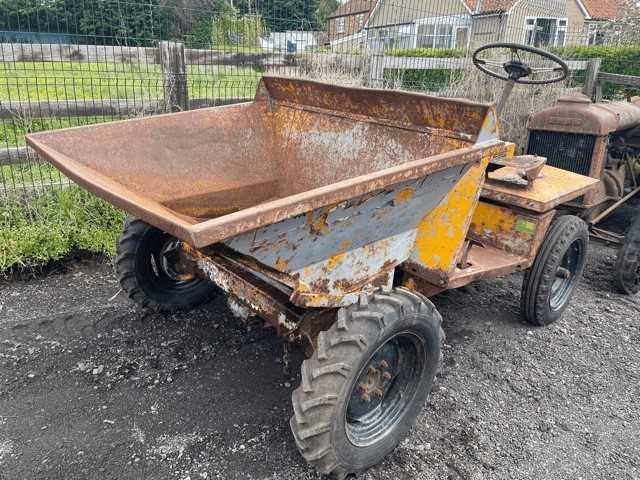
[321,183]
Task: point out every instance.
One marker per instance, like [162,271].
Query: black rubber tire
[539,279]
[142,282]
[627,269]
[320,404]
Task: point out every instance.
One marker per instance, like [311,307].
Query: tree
[117,22]
[282,15]
[30,16]
[101,21]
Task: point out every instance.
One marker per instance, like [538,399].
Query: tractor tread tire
[629,254]
[326,373]
[131,239]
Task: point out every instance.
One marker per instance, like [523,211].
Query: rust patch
[404,195]
[282,264]
[318,226]
[303,146]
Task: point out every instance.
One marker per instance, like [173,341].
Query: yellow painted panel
[515,231]
[441,234]
[493,219]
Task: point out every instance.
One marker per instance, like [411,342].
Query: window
[434,36]
[401,36]
[545,32]
[447,31]
[360,21]
[594,37]
[340,25]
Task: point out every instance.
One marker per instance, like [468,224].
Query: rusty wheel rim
[384,389]
[159,263]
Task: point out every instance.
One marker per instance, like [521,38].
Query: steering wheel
[515,69]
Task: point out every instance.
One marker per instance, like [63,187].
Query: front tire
[550,283]
[367,381]
[146,272]
[627,272]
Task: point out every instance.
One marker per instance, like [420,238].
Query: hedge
[47,226]
[620,60]
[428,52]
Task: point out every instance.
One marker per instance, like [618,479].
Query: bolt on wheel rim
[163,260]
[384,389]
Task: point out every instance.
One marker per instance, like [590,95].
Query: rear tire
[146,273]
[627,270]
[367,381]
[550,283]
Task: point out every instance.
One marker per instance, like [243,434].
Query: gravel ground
[91,386]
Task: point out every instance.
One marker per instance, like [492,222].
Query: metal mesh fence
[67,63]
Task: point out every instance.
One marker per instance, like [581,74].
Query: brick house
[347,23]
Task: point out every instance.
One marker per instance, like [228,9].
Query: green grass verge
[33,175]
[12,132]
[33,81]
[49,225]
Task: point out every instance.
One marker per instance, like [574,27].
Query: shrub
[243,30]
[227,29]
[428,52]
[47,226]
[615,59]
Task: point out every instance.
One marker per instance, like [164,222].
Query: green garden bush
[38,228]
[624,60]
[621,60]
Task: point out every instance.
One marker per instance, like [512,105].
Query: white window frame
[454,22]
[340,25]
[564,28]
[592,33]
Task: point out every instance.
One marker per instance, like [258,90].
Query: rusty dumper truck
[333,213]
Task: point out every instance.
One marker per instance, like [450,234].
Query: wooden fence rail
[595,78]
[96,108]
[53,52]
[380,63]
[108,108]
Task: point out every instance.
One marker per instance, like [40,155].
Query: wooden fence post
[174,69]
[375,68]
[591,83]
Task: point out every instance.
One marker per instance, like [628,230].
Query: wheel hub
[383,389]
[565,276]
[374,382]
[169,262]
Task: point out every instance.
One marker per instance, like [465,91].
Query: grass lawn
[60,81]
[24,81]
[33,176]
[12,132]
[30,175]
